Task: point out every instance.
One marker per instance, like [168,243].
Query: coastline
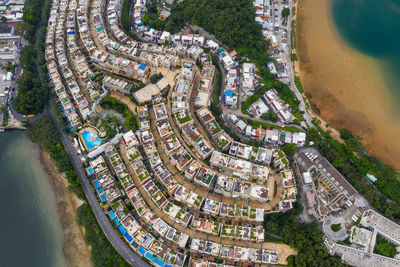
[75,249]
[346,85]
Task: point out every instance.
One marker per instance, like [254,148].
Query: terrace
[181,159]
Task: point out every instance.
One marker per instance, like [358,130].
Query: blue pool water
[142,250]
[149,256]
[96,184]
[128,237]
[103,198]
[87,135]
[116,221]
[122,229]
[159,262]
[90,170]
[112,215]
[100,190]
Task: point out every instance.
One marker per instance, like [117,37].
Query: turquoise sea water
[30,231]
[373,28]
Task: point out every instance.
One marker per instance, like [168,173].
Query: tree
[305,237]
[285,12]
[336,227]
[32,96]
[3,19]
[289,150]
[345,134]
[270,117]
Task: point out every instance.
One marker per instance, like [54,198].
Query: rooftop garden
[182,120]
[222,142]
[384,247]
[198,201]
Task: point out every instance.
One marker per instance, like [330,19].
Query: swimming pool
[96,184]
[149,256]
[142,250]
[122,229]
[112,215]
[103,198]
[128,238]
[91,139]
[159,262]
[90,170]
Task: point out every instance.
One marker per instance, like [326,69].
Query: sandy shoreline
[347,86]
[75,249]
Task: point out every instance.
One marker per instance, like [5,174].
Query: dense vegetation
[384,248]
[32,84]
[232,21]
[103,254]
[305,237]
[285,12]
[289,149]
[336,227]
[4,113]
[35,15]
[354,163]
[270,117]
[112,103]
[156,77]
[284,92]
[43,132]
[256,124]
[59,116]
[31,97]
[126,19]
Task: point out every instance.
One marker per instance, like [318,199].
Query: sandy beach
[75,249]
[347,86]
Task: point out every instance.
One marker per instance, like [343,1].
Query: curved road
[104,223]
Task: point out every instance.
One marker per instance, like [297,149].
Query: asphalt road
[286,58]
[104,223]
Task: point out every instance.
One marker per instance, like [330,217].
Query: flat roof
[146,93]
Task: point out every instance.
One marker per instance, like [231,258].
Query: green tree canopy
[285,12]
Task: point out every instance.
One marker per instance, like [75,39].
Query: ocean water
[30,231]
[373,28]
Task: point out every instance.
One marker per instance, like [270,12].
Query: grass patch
[298,84]
[293,35]
[265,125]
[183,120]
